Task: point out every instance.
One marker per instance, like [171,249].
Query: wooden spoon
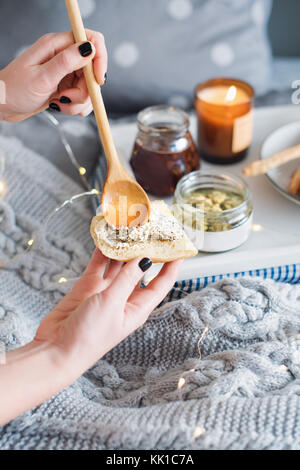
[124,202]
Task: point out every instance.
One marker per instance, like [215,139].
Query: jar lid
[163,120]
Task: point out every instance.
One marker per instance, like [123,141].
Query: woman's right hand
[49,73]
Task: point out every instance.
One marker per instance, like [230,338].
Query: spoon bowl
[124,202]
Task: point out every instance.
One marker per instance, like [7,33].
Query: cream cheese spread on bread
[161,226]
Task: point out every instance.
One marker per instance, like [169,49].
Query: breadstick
[263,166]
[294,187]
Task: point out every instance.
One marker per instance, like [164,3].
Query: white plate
[283,138]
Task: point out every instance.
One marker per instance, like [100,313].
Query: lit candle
[225,119]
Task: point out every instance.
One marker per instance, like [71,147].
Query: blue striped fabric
[287,274]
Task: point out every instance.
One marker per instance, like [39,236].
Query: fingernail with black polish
[54,106]
[85,49]
[145,264]
[105,78]
[65,100]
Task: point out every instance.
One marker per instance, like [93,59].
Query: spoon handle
[93,88]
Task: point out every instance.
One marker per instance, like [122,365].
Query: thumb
[69,60]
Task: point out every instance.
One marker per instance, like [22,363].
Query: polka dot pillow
[158,49]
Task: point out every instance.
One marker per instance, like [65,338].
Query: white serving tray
[278,243]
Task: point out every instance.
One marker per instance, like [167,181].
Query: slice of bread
[158,250]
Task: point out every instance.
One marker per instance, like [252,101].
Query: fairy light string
[79,168]
[182,380]
[200,431]
[31,243]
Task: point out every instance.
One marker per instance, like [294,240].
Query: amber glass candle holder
[224,108]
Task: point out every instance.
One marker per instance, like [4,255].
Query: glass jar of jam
[164,149]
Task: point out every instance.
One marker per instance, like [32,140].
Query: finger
[100,59]
[70,109]
[72,58]
[127,279]
[88,109]
[97,265]
[51,44]
[89,284]
[147,299]
[77,94]
[113,270]
[46,47]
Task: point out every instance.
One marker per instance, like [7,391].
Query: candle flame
[231,94]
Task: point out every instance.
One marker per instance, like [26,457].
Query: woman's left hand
[49,73]
[103,308]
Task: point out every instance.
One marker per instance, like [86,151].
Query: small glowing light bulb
[284,367]
[62,280]
[198,432]
[206,330]
[257,228]
[2,188]
[181,382]
[30,242]
[82,171]
[95,191]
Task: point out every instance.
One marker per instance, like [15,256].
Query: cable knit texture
[244,392]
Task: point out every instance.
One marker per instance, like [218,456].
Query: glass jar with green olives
[215,209]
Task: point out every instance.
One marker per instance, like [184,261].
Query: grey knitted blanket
[244,393]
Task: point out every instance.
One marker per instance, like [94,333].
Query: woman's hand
[103,308]
[49,73]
